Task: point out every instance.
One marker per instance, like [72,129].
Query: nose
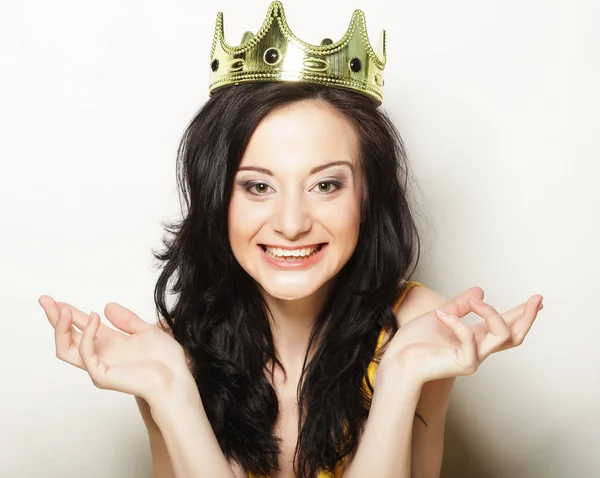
[292,217]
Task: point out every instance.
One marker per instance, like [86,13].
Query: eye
[256,188]
[260,188]
[326,187]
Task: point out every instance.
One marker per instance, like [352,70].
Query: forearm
[385,446]
[193,448]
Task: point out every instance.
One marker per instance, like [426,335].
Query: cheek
[342,219]
[245,220]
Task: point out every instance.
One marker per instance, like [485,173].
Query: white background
[498,104]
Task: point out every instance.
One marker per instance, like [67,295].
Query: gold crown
[276,54]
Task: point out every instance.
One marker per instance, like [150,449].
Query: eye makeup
[336,183]
[251,180]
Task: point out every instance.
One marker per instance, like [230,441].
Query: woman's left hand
[436,346]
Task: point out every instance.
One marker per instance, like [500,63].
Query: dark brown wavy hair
[221,319]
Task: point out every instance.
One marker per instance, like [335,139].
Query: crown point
[381,47]
[359,15]
[276,8]
[218,36]
[219,23]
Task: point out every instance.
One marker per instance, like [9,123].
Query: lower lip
[284,264]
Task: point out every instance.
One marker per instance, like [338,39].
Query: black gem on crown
[355,65]
[214,66]
[272,56]
[326,41]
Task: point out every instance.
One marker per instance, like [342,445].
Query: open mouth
[292,255]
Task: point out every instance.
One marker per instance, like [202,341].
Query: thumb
[460,306]
[124,319]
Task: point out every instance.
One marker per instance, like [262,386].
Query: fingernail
[477,301]
[439,312]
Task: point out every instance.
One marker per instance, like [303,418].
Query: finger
[466,355]
[66,350]
[521,326]
[87,349]
[496,323]
[51,309]
[80,318]
[497,332]
[516,312]
[460,305]
[124,319]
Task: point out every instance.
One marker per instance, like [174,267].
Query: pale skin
[417,368]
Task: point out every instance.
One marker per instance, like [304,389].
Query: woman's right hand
[139,358]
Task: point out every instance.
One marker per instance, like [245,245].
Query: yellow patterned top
[371,373]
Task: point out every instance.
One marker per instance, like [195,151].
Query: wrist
[396,371]
[181,393]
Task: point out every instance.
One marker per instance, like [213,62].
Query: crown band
[274,53]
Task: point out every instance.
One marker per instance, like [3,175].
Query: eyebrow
[314,170]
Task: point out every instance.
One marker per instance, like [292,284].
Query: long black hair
[221,319]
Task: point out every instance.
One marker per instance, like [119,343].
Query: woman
[296,345]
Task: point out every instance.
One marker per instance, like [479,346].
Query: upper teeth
[305,251]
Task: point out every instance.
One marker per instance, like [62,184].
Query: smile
[300,257]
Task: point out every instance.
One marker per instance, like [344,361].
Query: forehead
[311,132]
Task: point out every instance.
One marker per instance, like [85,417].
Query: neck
[292,322]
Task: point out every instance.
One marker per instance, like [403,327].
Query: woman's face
[295,209]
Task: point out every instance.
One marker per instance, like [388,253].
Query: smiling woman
[291,272]
[298,267]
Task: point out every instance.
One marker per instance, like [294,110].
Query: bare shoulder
[418,301]
[162,324]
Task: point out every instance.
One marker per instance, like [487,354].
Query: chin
[290,290]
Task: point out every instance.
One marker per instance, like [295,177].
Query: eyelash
[250,184]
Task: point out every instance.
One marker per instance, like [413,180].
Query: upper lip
[291,248]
